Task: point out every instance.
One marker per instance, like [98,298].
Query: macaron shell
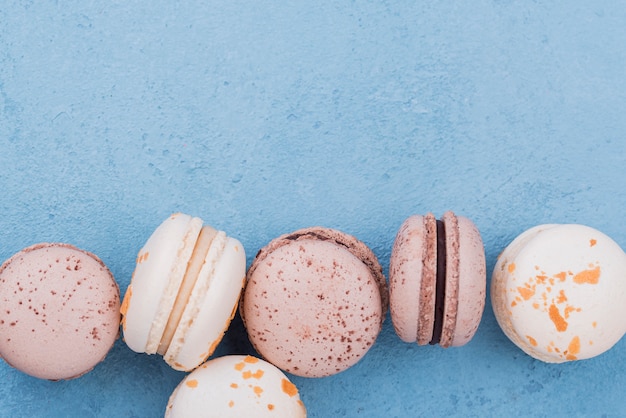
[559,296]
[211,306]
[60,311]
[472,282]
[310,306]
[451,297]
[236,386]
[405,265]
[160,268]
[412,279]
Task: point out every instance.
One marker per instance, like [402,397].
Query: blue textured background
[262,118]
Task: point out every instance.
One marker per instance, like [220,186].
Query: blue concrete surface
[266,117]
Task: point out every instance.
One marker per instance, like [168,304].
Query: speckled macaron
[59,314]
[236,386]
[558,292]
[314,302]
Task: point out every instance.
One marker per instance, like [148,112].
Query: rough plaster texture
[266,118]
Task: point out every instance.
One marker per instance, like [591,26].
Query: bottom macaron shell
[312,308]
[210,310]
[60,311]
[472,282]
[235,386]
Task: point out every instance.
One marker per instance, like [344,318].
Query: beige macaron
[184,292]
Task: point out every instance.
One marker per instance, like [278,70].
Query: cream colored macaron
[184,292]
[236,386]
[558,292]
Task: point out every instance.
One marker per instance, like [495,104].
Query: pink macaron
[314,302]
[437,280]
[60,311]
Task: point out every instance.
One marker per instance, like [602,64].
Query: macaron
[184,291]
[314,302]
[437,280]
[59,314]
[235,386]
[558,292]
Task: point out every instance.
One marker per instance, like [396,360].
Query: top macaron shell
[558,292]
[314,302]
[236,386]
[152,293]
[60,311]
[412,278]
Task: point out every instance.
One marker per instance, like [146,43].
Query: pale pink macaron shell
[60,311]
[409,269]
[314,302]
[472,282]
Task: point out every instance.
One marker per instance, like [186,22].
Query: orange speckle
[251,360]
[258,374]
[562,298]
[513,304]
[231,404]
[541,278]
[289,388]
[594,324]
[236,248]
[569,309]
[193,383]
[526,292]
[247,374]
[588,276]
[239,366]
[270,406]
[561,276]
[125,304]
[536,305]
[573,348]
[258,390]
[559,322]
[511,267]
[142,257]
[234,385]
[214,345]
[592,242]
[532,341]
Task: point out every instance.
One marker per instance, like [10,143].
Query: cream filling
[197,260]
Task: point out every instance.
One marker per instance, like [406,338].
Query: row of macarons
[313,301]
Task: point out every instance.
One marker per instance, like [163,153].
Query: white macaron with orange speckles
[184,292]
[236,386]
[558,292]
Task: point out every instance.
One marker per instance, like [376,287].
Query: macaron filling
[194,265]
[440,286]
[444,234]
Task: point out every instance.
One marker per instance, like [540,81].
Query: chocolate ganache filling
[440,289]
